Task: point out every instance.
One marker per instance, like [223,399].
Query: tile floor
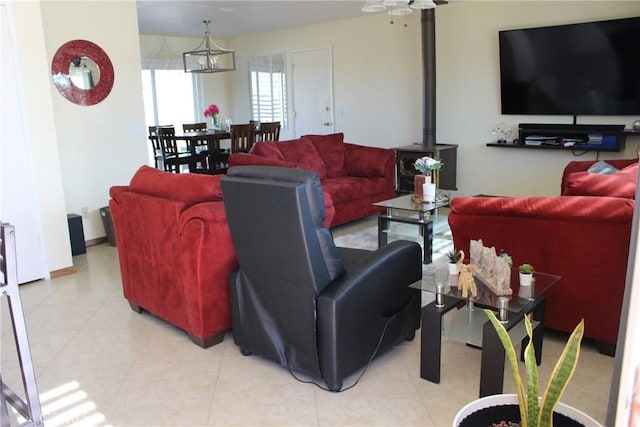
[100,364]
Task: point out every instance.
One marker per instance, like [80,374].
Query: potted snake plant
[528,408]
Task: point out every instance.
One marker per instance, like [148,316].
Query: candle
[429,192]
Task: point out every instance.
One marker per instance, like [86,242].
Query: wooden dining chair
[270,131]
[242,137]
[194,127]
[174,158]
[155,145]
[201,145]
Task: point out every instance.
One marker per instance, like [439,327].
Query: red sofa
[353,176]
[175,250]
[582,235]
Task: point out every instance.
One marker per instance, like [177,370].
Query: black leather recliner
[296,298]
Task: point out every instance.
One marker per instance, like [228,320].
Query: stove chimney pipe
[428,28]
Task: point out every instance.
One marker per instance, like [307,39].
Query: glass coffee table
[405,210]
[469,323]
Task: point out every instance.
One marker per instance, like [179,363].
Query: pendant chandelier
[397,7]
[208,57]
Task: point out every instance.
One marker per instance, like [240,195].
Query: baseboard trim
[95,242]
[63,272]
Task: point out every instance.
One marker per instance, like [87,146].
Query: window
[268,82]
[169,97]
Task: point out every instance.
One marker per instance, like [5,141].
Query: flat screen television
[576,69]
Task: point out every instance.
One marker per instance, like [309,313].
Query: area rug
[367,238]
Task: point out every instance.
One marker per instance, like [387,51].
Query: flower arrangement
[211,110]
[426,164]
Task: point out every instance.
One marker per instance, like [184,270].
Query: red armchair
[175,250]
[582,236]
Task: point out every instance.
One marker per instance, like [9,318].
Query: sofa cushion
[366,161]
[267,149]
[331,150]
[620,184]
[304,154]
[248,159]
[189,188]
[348,188]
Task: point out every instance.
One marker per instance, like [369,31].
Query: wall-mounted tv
[576,69]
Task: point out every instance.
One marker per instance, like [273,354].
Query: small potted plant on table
[454,256]
[526,274]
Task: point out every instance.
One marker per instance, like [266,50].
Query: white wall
[41,132]
[78,152]
[103,144]
[376,75]
[468,92]
[378,85]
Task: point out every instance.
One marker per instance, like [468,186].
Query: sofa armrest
[555,208]
[117,190]
[366,161]
[371,300]
[207,257]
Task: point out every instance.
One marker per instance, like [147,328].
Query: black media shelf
[568,137]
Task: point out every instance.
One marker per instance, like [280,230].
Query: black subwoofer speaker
[76,235]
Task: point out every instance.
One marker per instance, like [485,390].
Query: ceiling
[232,18]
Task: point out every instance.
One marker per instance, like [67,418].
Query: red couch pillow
[620,184]
[190,188]
[304,154]
[331,150]
[267,149]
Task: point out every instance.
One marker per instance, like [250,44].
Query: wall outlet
[84,211]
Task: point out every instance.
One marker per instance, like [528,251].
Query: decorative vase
[418,181]
[215,120]
[453,268]
[526,279]
[429,192]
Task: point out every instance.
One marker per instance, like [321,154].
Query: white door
[18,202]
[312,91]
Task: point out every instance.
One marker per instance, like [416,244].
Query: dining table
[208,140]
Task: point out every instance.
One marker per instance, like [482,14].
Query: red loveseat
[583,236]
[353,176]
[175,250]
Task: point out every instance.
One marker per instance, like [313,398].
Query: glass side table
[471,325]
[405,210]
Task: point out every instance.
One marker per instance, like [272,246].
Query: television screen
[578,69]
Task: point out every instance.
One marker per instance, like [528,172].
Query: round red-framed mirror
[82,72]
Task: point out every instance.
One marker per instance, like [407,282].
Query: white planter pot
[429,192]
[512,399]
[526,279]
[453,268]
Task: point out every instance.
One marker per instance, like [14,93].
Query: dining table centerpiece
[213,112]
[424,187]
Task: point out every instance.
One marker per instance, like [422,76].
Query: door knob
[327,123]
